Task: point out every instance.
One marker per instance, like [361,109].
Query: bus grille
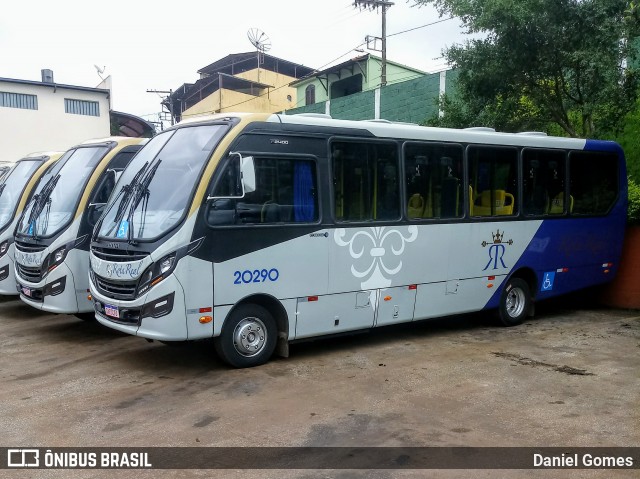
[33,275]
[29,248]
[118,255]
[116,290]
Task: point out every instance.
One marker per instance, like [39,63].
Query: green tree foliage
[633,214]
[542,65]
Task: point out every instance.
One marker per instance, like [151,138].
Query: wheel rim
[515,302]
[250,337]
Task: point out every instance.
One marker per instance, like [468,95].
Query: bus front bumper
[159,314]
[7,276]
[55,293]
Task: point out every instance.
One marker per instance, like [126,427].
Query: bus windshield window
[58,192]
[12,187]
[155,190]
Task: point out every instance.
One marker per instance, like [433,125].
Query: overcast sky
[160,45]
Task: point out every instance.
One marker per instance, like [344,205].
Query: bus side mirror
[248,171]
[243,176]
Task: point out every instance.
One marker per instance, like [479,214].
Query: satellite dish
[100,71]
[259,39]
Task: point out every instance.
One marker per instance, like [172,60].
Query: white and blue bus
[15,190]
[52,235]
[262,229]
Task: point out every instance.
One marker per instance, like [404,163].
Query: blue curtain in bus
[303,203]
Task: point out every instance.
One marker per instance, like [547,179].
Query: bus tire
[248,337]
[86,316]
[515,302]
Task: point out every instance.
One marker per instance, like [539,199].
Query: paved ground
[569,377]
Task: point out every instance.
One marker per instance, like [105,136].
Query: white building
[46,116]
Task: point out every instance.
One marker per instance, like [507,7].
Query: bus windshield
[56,197]
[155,190]
[13,186]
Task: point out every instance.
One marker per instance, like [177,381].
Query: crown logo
[497,238]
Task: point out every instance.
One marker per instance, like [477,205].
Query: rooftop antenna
[261,41]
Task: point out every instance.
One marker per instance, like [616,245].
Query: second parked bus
[52,235]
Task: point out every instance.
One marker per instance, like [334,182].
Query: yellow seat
[502,203]
[557,204]
[416,206]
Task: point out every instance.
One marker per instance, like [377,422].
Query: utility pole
[371,5]
[168,97]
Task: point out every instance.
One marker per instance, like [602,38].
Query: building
[248,82]
[363,73]
[46,116]
[352,91]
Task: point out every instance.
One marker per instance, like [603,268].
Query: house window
[310,95]
[81,107]
[18,100]
[346,86]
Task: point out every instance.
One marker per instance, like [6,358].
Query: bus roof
[388,129]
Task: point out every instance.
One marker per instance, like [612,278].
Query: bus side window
[543,181]
[594,182]
[365,181]
[433,178]
[493,173]
[286,192]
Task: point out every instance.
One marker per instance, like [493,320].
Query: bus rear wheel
[515,302]
[248,337]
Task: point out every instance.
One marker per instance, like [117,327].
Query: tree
[542,63]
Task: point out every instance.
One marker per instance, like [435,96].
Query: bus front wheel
[515,302]
[248,337]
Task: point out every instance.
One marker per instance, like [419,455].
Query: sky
[161,45]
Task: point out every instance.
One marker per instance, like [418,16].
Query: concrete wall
[359,106]
[49,127]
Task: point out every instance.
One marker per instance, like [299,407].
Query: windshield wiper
[125,192]
[40,200]
[141,192]
[2,187]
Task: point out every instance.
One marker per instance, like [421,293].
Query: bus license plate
[26,291]
[111,311]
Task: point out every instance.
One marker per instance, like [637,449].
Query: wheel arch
[529,276]
[279,313]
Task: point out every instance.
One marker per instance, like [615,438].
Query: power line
[421,26]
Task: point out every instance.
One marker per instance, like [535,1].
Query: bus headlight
[56,258]
[156,272]
[4,247]
[59,255]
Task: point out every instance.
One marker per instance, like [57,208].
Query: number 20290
[255,276]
